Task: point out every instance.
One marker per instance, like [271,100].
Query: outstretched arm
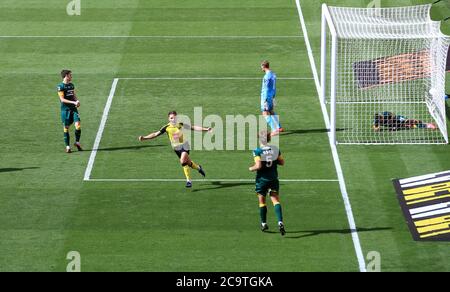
[149,136]
[197,128]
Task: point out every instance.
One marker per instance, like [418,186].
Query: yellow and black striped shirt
[175,133]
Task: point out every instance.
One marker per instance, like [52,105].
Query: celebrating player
[268,93]
[174,131]
[69,109]
[267,158]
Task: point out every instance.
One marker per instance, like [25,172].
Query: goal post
[383,75]
[328,26]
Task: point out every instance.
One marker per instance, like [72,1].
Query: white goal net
[383,75]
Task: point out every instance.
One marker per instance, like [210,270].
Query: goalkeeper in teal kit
[268,93]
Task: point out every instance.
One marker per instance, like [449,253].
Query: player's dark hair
[265,64]
[65,72]
[172,113]
[377,120]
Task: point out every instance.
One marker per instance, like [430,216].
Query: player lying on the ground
[267,158]
[69,109]
[390,121]
[174,131]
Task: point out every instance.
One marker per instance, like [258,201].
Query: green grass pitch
[47,209]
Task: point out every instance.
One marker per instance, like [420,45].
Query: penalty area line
[108,104]
[199,180]
[101,128]
[152,36]
[211,78]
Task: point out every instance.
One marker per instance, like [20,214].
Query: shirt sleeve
[257,154]
[162,130]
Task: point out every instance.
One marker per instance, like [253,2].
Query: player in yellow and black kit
[181,147]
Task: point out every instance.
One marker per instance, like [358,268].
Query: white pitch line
[155,36]
[337,163]
[98,138]
[210,78]
[199,180]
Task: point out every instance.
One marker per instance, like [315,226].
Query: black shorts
[180,151]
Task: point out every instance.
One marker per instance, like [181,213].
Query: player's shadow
[12,169]
[138,147]
[308,131]
[223,185]
[309,233]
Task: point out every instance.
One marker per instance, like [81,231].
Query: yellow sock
[187,172]
[195,166]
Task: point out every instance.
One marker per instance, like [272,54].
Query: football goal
[383,75]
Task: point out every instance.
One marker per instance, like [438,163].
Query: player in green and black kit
[69,109]
[267,158]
